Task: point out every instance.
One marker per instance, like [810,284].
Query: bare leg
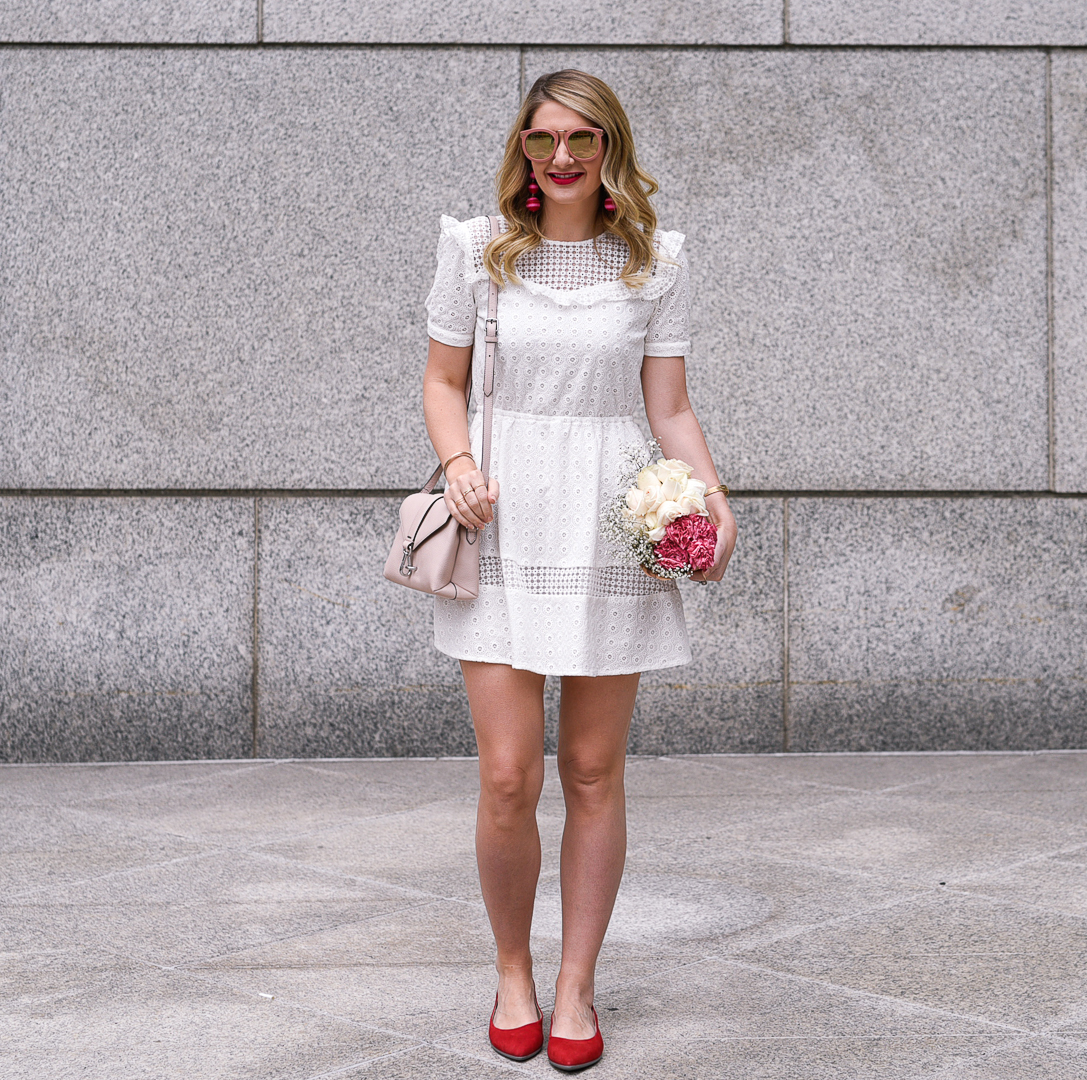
[594,721]
[507,711]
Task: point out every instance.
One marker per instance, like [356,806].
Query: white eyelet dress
[553,595]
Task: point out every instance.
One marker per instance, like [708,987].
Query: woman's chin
[574,195]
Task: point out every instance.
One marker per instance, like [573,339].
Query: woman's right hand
[468,497]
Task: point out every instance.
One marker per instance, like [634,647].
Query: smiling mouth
[565,178]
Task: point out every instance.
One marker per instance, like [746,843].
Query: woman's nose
[563,157]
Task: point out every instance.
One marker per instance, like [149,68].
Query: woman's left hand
[726,544]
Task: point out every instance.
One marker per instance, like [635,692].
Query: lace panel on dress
[564,266]
[575,266]
[570,580]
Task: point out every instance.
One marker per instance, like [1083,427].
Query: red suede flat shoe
[570,1055]
[519,1043]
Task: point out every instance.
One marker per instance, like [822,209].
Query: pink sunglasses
[583,144]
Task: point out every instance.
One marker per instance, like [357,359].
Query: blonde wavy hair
[630,186]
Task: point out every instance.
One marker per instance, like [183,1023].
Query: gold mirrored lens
[583,143]
[539,144]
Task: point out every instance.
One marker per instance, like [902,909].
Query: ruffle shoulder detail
[669,243]
[471,237]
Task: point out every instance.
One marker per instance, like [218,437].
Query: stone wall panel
[347,661]
[212,277]
[867,233]
[638,22]
[1070,270]
[228,22]
[937,624]
[125,628]
[215,261]
[935,22]
[729,698]
[348,665]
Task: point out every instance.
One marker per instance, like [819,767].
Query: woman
[593,300]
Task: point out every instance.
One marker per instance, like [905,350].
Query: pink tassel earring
[609,205]
[533,202]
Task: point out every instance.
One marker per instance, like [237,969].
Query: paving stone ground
[782,916]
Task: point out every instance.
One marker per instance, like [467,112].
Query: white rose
[668,513]
[672,488]
[657,533]
[636,502]
[695,487]
[673,468]
[647,479]
[654,497]
[693,504]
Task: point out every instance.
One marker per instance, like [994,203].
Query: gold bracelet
[459,453]
[720,487]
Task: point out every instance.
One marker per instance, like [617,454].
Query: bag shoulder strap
[491,335]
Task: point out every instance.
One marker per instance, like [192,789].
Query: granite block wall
[858,323]
[219,220]
[1070,271]
[494,22]
[127,628]
[937,22]
[159,22]
[952,622]
[206,277]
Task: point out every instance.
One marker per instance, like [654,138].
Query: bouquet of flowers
[661,519]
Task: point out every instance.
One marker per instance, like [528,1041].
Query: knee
[510,791]
[591,784]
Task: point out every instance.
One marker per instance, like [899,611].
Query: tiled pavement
[789,916]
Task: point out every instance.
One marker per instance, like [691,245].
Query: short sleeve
[668,333]
[451,305]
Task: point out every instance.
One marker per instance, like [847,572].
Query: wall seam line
[785,625]
[1051,390]
[260,22]
[254,684]
[645,46]
[401,493]
[785,28]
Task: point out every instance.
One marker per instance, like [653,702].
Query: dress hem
[594,674]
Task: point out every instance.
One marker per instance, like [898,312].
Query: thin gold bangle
[459,453]
[720,487]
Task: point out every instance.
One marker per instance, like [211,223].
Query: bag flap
[422,515]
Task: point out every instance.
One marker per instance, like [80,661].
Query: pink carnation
[689,539]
